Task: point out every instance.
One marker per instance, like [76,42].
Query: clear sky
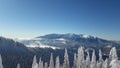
[31,18]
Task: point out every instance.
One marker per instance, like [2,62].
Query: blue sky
[31,18]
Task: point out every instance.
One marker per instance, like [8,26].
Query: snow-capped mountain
[43,46]
[66,41]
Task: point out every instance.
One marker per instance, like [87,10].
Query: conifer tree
[100,62]
[93,61]
[34,64]
[113,54]
[1,64]
[75,61]
[66,60]
[40,63]
[18,65]
[51,61]
[46,65]
[80,58]
[88,60]
[57,65]
[113,59]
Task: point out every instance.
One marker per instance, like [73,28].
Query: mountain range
[68,41]
[22,51]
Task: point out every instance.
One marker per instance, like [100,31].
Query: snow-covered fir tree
[66,60]
[1,65]
[75,61]
[93,61]
[100,61]
[34,64]
[113,59]
[57,64]
[113,54]
[18,65]
[80,61]
[80,58]
[40,63]
[51,61]
[88,60]
[46,65]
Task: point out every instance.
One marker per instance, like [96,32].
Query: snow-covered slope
[39,44]
[55,41]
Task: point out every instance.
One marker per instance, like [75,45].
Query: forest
[80,60]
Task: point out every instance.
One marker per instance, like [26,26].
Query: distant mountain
[22,52]
[72,42]
[68,41]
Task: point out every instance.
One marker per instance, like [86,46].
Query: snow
[62,40]
[51,61]
[115,64]
[86,36]
[34,64]
[79,61]
[38,44]
[42,46]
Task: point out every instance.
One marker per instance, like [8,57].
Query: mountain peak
[68,35]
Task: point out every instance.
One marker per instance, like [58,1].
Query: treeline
[80,61]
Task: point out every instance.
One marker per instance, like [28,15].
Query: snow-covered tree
[57,64]
[40,64]
[66,60]
[113,54]
[88,60]
[100,56]
[18,65]
[80,58]
[34,64]
[100,62]
[1,65]
[93,61]
[51,61]
[46,65]
[79,61]
[113,59]
[75,61]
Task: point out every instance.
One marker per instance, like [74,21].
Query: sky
[32,18]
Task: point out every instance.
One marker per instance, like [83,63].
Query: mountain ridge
[69,40]
[15,52]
